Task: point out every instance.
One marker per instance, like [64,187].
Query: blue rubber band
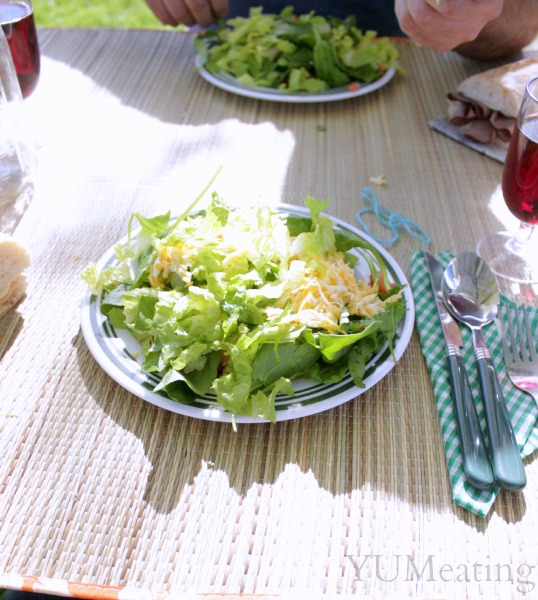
[389,219]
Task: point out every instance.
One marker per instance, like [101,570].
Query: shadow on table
[366,448]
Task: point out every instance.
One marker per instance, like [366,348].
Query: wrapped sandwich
[485,105]
[13,260]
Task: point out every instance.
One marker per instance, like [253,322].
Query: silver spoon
[471,295]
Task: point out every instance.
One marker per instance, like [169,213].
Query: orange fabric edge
[28,583]
[92,591]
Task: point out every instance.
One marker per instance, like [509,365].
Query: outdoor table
[105,495]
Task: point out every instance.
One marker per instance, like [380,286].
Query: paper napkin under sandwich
[485,105]
[521,406]
[13,260]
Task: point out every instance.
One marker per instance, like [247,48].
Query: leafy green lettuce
[203,294]
[295,53]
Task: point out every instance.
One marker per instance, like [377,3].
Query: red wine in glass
[520,179]
[513,256]
[17,20]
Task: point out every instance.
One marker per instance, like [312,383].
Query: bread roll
[13,260]
[501,88]
[15,293]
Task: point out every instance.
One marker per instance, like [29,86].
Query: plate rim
[97,339]
[228,84]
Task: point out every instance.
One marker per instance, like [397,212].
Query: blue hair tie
[391,220]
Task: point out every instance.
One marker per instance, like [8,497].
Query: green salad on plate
[295,53]
[242,301]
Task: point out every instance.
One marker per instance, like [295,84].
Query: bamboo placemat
[103,494]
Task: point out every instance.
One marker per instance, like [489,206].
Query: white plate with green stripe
[119,354]
[230,84]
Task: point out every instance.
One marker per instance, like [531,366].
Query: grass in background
[95,13]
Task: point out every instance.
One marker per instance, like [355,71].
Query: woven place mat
[104,488]
[521,407]
[105,494]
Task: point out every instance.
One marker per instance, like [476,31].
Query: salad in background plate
[241,302]
[295,53]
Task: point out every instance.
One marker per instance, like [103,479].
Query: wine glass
[515,256]
[17,21]
[17,148]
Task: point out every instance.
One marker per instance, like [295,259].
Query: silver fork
[520,355]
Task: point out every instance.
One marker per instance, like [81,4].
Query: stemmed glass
[17,21]
[515,256]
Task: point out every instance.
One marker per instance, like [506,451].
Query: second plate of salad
[295,58]
[247,315]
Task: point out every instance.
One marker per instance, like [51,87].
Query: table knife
[476,464]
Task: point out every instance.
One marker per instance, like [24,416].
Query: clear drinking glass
[17,20]
[17,148]
[515,256]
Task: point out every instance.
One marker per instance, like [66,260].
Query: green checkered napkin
[521,406]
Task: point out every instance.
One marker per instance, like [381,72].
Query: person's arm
[188,12]
[479,29]
[516,27]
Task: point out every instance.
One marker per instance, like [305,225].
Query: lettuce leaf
[295,53]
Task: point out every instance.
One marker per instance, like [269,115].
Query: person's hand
[188,12]
[445,24]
